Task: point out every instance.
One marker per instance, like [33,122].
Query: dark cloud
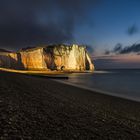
[118,49]
[135,48]
[132,30]
[29,22]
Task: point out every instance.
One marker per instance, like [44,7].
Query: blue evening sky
[111,20]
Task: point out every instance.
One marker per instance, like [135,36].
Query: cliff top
[31,48]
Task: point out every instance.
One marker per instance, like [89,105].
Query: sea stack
[48,57]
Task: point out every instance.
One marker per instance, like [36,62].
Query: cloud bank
[119,49]
[28,22]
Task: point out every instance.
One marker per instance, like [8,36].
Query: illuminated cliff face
[55,57]
[33,59]
[63,57]
[10,60]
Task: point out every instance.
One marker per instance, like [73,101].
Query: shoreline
[99,91]
[49,72]
[39,108]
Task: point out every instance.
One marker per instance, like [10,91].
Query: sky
[110,28]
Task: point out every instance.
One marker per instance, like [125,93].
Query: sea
[124,83]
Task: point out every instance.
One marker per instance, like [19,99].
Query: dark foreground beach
[40,108]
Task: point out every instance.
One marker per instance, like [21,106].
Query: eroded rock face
[33,59]
[53,57]
[9,60]
[63,57]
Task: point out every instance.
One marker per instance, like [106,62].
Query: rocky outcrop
[33,59]
[10,60]
[52,57]
[64,57]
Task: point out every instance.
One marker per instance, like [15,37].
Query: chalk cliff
[51,57]
[10,60]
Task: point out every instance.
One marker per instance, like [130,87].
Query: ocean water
[122,83]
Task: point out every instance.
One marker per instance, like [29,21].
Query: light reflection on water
[120,82]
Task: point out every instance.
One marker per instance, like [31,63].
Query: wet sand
[40,108]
